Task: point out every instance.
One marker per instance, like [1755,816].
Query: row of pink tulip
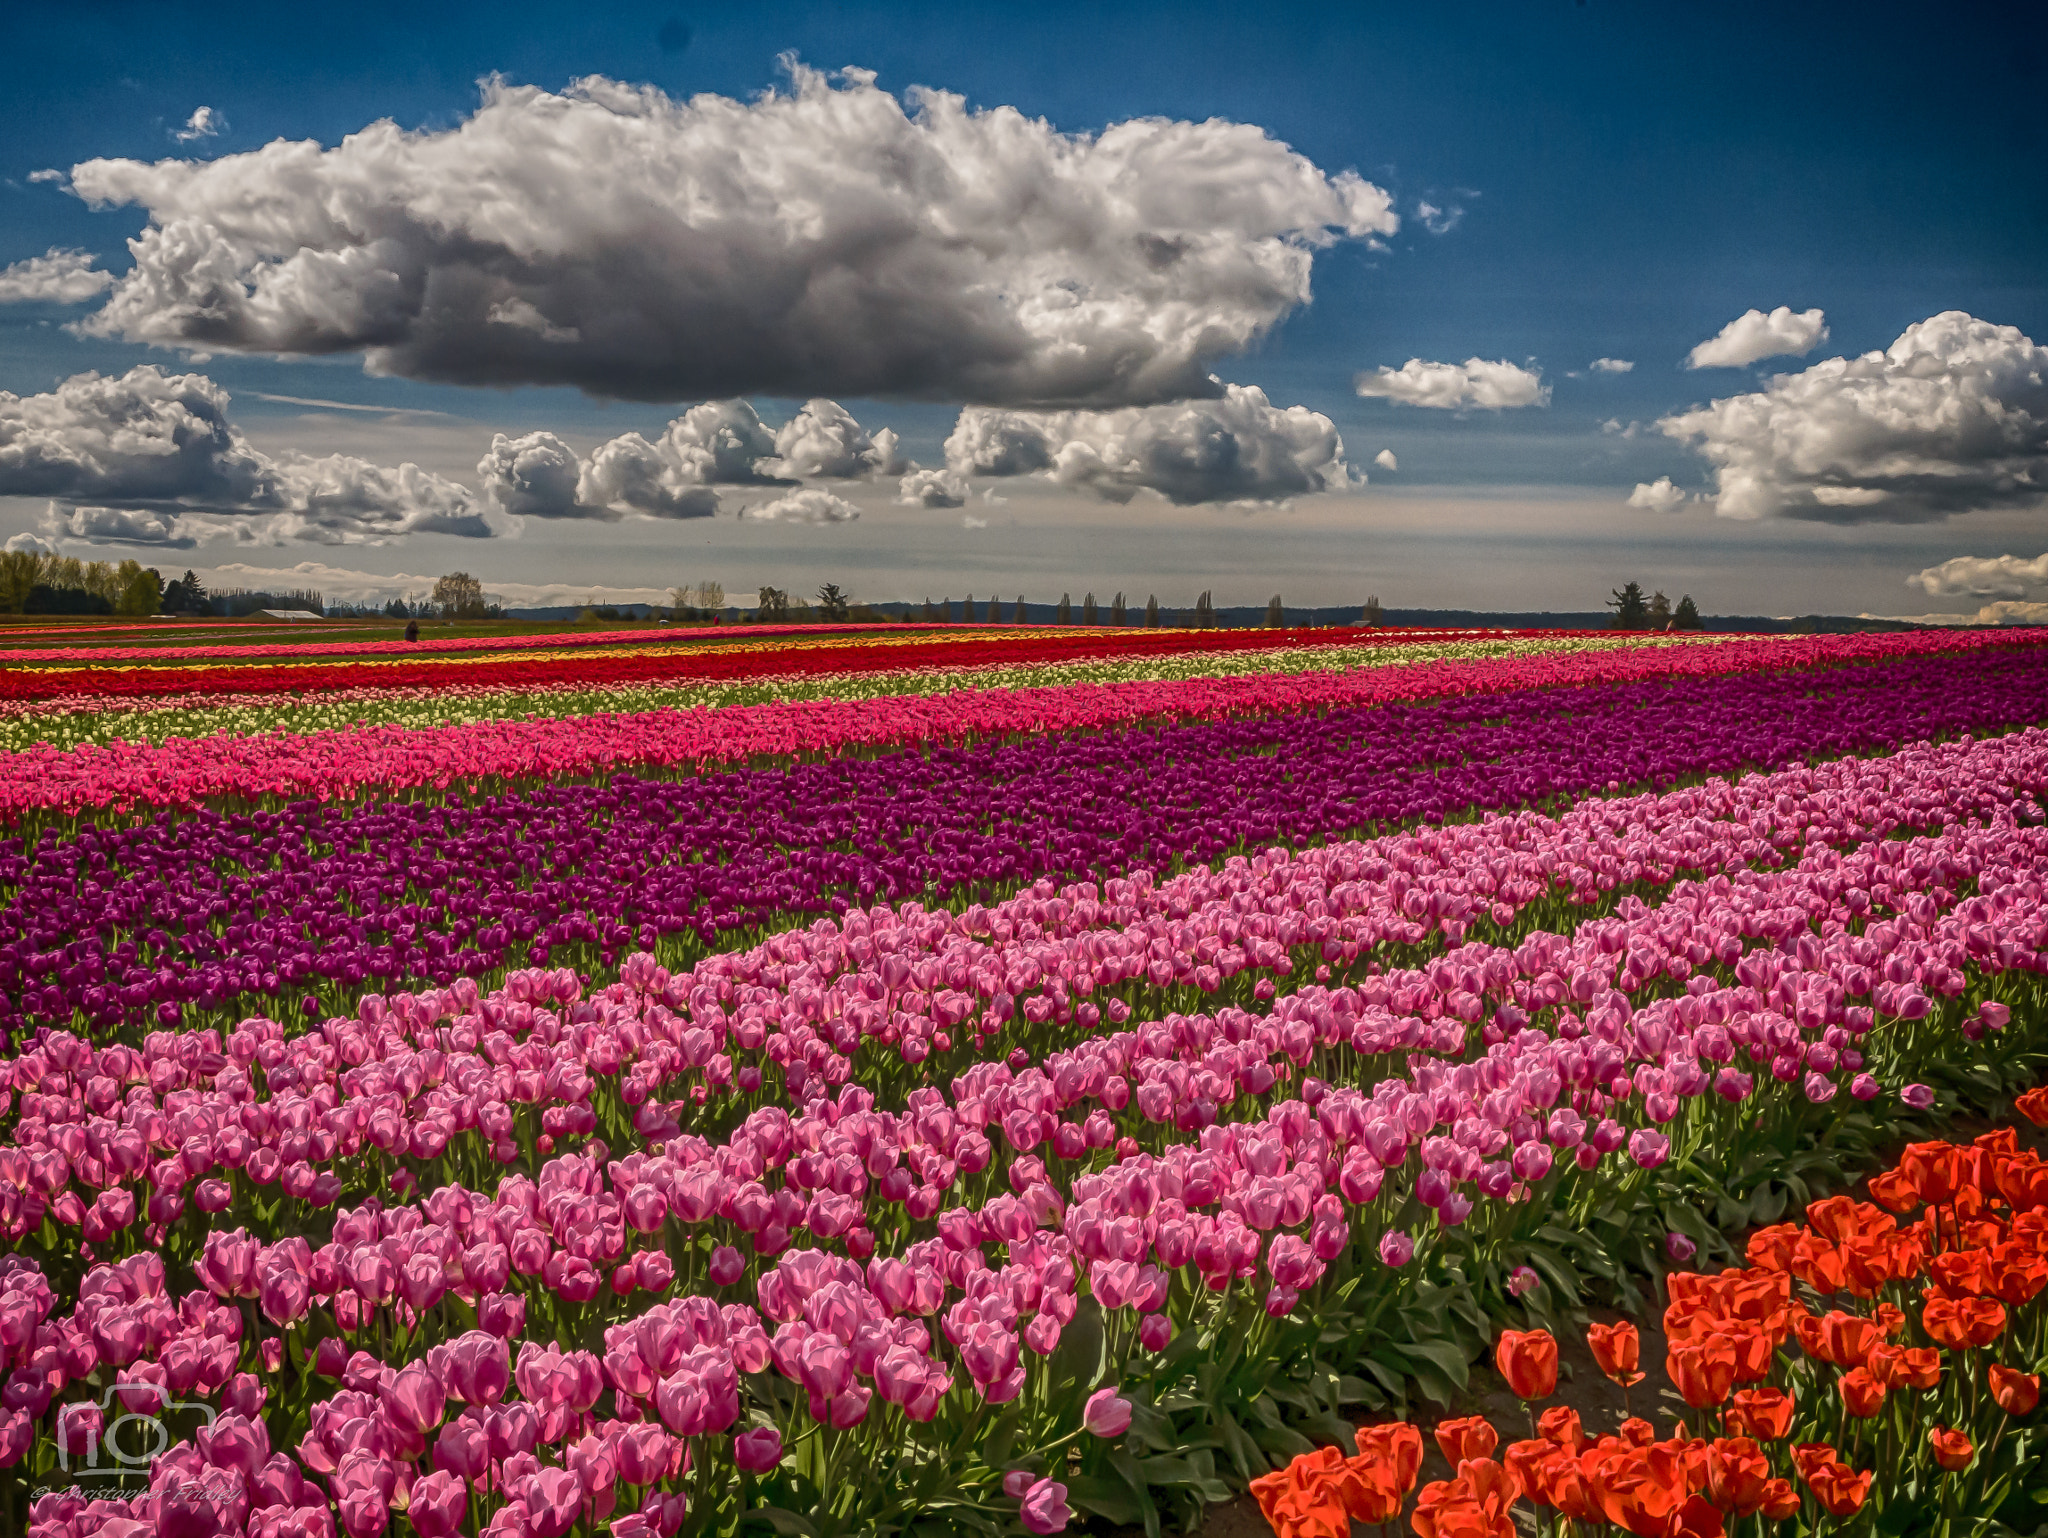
[343,763]
[450,1078]
[1127,1230]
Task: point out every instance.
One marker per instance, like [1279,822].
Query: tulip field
[937,1080]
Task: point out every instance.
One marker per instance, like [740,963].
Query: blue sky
[1609,182]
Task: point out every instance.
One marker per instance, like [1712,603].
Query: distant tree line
[1633,610]
[40,582]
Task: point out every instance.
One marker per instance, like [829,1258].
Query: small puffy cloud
[1753,335]
[1385,460]
[107,451]
[56,277]
[1613,427]
[204,123]
[1436,219]
[932,488]
[1457,386]
[819,239]
[522,314]
[1951,418]
[1611,365]
[34,543]
[1970,576]
[1234,449]
[48,174]
[969,521]
[1658,496]
[824,442]
[805,506]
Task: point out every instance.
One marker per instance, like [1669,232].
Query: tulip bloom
[1617,1351]
[1044,1507]
[1528,1360]
[1951,1448]
[1107,1414]
[1470,1436]
[1763,1413]
[2015,1392]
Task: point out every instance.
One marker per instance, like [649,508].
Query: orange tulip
[1840,1489]
[1894,1190]
[1704,1371]
[2034,1106]
[1771,1248]
[1528,1360]
[1397,1446]
[1644,1491]
[1780,1500]
[1808,1456]
[1637,1432]
[1935,1170]
[1617,1351]
[1905,1366]
[1862,1395]
[1560,1424]
[2015,1392]
[1952,1449]
[1763,1413]
[1846,1339]
[1477,1504]
[1960,1322]
[1737,1474]
[1470,1436]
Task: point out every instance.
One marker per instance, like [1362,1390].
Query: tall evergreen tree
[1687,615]
[1020,618]
[1660,611]
[1276,613]
[1088,610]
[1631,608]
[1116,610]
[1065,613]
[1152,612]
[1372,615]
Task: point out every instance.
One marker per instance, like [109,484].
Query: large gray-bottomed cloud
[152,458]
[1238,448]
[1951,418]
[820,240]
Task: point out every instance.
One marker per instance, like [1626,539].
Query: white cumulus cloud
[719,443]
[1611,365]
[151,457]
[1385,460]
[57,276]
[820,239]
[932,488]
[1753,335]
[806,506]
[1970,576]
[1236,448]
[824,442]
[1457,386]
[1951,418]
[1658,496]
